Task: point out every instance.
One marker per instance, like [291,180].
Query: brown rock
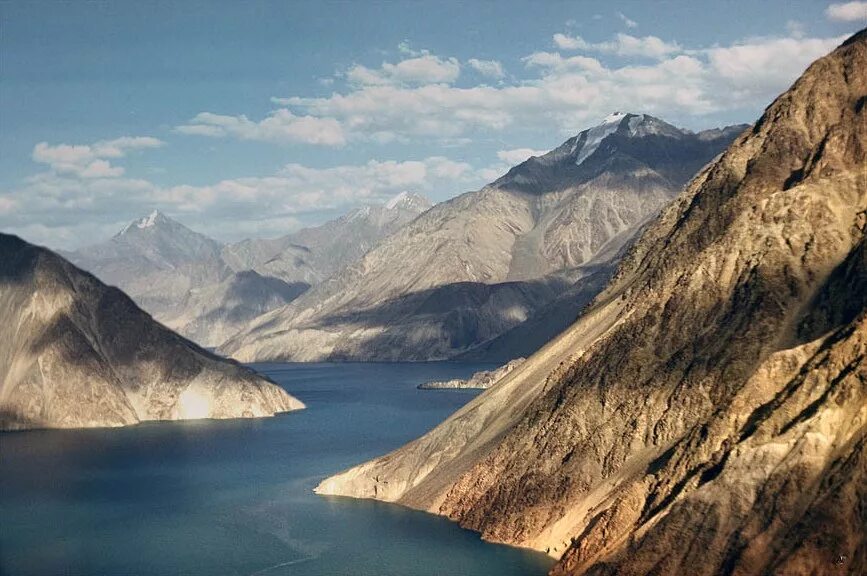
[707,414]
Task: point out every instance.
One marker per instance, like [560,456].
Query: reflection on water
[235,497]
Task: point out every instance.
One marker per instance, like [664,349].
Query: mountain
[157,261]
[207,291]
[313,254]
[179,276]
[707,414]
[470,269]
[77,353]
[213,313]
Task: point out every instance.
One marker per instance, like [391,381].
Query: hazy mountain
[157,261]
[205,290]
[215,312]
[472,268]
[313,254]
[77,353]
[708,413]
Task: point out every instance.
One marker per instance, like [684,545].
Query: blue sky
[256,118]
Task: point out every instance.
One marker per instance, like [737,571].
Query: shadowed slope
[77,353]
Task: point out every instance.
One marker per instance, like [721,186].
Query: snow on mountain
[594,136]
[474,267]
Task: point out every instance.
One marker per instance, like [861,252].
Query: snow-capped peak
[408,201]
[594,136]
[397,200]
[614,118]
[148,220]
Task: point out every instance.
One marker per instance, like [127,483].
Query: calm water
[236,497]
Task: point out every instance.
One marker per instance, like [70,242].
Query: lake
[235,497]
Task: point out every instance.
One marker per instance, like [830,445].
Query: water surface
[235,497]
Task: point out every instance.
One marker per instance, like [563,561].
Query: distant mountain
[707,414]
[205,290]
[217,311]
[77,353]
[314,254]
[470,269]
[157,261]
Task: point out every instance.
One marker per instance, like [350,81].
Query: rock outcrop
[708,413]
[481,380]
[470,269]
[77,353]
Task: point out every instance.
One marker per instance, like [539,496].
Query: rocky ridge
[708,413]
[470,269]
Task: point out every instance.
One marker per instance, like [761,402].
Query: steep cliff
[708,413]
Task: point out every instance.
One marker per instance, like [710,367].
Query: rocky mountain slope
[314,254]
[472,268]
[708,413]
[77,353]
[207,291]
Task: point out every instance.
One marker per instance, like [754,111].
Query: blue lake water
[235,497]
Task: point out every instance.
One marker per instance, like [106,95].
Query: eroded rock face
[76,353]
[473,268]
[708,414]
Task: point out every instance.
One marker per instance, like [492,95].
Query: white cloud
[759,69]
[518,155]
[423,69]
[564,93]
[564,42]
[490,68]
[622,45]
[7,205]
[554,61]
[405,47]
[89,160]
[626,21]
[796,29]
[282,126]
[847,12]
[72,210]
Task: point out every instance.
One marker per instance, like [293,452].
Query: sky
[254,119]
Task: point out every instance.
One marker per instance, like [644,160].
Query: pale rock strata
[481,380]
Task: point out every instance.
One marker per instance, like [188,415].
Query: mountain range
[207,291]
[707,414]
[77,353]
[469,270]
